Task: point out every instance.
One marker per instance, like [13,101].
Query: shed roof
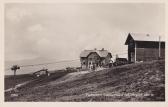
[101,53]
[144,37]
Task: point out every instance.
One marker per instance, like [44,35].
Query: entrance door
[132,57]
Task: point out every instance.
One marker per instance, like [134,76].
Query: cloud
[35,28]
[16,14]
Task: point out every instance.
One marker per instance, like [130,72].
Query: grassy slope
[135,79]
[9,80]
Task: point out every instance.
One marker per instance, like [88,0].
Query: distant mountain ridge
[25,70]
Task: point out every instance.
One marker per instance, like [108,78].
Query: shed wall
[147,54]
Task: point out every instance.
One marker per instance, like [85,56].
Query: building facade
[145,47]
[99,58]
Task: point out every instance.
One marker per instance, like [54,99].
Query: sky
[61,31]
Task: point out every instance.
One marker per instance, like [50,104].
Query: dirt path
[69,77]
[18,85]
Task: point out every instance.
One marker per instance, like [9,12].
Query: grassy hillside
[133,82]
[9,80]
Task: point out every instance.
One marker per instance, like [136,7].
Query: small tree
[14,68]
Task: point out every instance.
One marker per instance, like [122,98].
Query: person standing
[110,63]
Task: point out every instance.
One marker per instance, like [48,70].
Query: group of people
[94,66]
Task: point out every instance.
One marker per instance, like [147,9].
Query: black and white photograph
[84,52]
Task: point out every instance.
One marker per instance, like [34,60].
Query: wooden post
[14,78]
[135,51]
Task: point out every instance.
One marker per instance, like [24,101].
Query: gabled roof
[85,53]
[144,37]
[101,53]
[40,70]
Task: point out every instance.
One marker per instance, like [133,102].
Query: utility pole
[135,52]
[159,46]
[14,68]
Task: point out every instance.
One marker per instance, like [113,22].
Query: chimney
[102,49]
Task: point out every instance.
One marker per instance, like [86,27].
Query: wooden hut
[145,47]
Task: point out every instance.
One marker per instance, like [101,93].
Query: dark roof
[40,71]
[121,59]
[144,37]
[101,53]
